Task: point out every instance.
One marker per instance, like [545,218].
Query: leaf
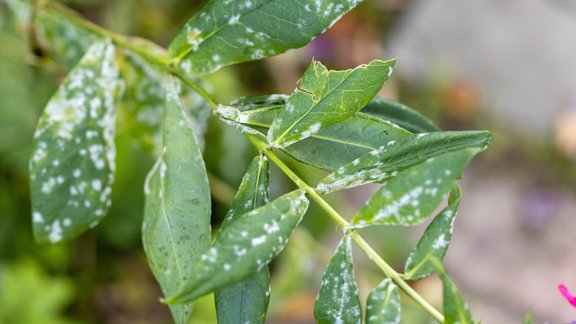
[65,41]
[244,246]
[338,300]
[176,226]
[401,115]
[383,305]
[332,146]
[435,240]
[225,32]
[144,100]
[73,162]
[409,197]
[247,300]
[455,309]
[528,317]
[388,160]
[326,97]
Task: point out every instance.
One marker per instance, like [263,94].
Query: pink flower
[569,297]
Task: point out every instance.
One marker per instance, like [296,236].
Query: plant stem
[385,267]
[140,46]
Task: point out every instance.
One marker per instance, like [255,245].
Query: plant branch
[383,265]
[158,57]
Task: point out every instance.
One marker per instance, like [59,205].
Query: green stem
[160,59]
[385,267]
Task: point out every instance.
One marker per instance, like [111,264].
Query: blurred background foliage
[102,277]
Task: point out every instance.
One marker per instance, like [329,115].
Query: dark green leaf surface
[401,115]
[338,300]
[225,32]
[383,306]
[72,166]
[455,309]
[247,300]
[397,155]
[326,97]
[435,240]
[245,245]
[409,197]
[176,227]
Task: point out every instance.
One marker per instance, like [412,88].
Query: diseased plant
[333,120]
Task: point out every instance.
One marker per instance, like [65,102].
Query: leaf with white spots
[72,166]
[338,300]
[388,160]
[455,308]
[65,41]
[176,225]
[244,246]
[225,32]
[435,240]
[408,198]
[325,97]
[332,146]
[144,99]
[383,305]
[247,300]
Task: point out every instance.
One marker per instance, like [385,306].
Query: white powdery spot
[233,20]
[66,222]
[37,217]
[258,240]
[440,242]
[55,232]
[77,173]
[97,184]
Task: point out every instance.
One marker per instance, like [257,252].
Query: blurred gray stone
[520,54]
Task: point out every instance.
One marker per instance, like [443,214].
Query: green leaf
[325,97]
[528,317]
[455,309]
[72,166]
[247,300]
[225,32]
[338,300]
[63,40]
[383,305]
[244,246]
[435,240]
[401,115]
[144,100]
[409,197]
[176,226]
[389,159]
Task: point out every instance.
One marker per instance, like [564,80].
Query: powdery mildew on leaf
[245,245]
[338,301]
[247,300]
[383,305]
[144,101]
[325,97]
[388,160]
[332,146]
[409,197]
[73,162]
[224,32]
[435,240]
[176,225]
